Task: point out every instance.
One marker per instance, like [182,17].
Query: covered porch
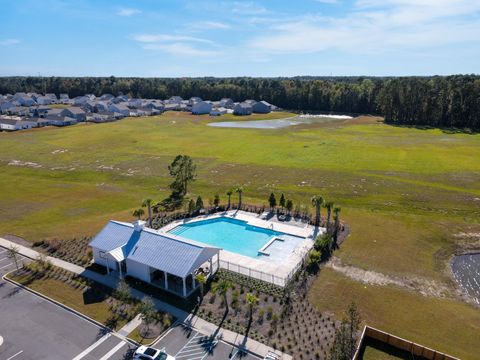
[186,284]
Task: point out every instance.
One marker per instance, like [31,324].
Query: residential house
[218,111]
[88,106]
[64,99]
[53,97]
[193,100]
[226,103]
[19,111]
[80,100]
[59,120]
[40,111]
[261,107]
[23,99]
[201,107]
[102,117]
[119,108]
[76,113]
[4,106]
[40,122]
[10,124]
[106,97]
[134,103]
[160,259]
[44,100]
[242,109]
[174,100]
[102,106]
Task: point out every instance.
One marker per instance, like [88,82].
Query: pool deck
[271,271]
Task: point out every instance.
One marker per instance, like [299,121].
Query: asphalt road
[187,344]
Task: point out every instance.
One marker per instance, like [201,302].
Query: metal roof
[115,234]
[166,252]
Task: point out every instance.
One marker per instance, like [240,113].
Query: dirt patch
[24,164]
[423,286]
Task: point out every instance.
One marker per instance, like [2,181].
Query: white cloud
[7,42]
[327,1]
[178,45]
[154,38]
[212,25]
[247,8]
[180,49]
[378,26]
[128,12]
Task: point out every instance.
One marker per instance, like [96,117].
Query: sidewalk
[196,322]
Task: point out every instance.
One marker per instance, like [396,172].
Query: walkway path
[184,316]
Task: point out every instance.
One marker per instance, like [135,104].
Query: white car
[149,353]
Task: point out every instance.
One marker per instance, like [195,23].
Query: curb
[69,309]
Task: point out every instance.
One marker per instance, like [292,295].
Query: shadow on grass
[93,296]
[445,130]
[387,349]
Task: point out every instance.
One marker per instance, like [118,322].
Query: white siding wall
[140,271]
[112,263]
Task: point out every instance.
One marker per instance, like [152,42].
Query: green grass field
[405,192]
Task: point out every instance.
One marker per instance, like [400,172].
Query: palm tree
[336,226]
[239,190]
[229,194]
[329,206]
[222,288]
[252,300]
[272,201]
[148,204]
[201,279]
[138,213]
[317,202]
[12,253]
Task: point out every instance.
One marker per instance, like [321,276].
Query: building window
[102,255]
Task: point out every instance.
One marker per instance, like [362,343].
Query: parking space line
[6,266]
[11,357]
[91,347]
[5,258]
[113,351]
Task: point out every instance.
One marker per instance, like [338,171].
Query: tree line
[439,101]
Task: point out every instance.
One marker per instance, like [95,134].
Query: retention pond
[466,271]
[280,123]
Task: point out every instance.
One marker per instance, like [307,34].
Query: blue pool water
[229,234]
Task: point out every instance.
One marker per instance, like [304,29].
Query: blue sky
[236,38]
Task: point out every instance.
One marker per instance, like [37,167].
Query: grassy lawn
[71,297]
[445,325]
[405,192]
[59,106]
[135,336]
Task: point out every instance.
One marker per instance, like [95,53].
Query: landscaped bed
[88,297]
[285,322]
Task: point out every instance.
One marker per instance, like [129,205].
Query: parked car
[149,353]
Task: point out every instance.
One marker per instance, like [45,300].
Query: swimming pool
[229,234]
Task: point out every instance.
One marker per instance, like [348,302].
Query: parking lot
[187,344]
[34,328]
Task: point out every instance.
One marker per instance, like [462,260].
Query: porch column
[193,281]
[120,269]
[184,287]
[211,266]
[166,280]
[108,266]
